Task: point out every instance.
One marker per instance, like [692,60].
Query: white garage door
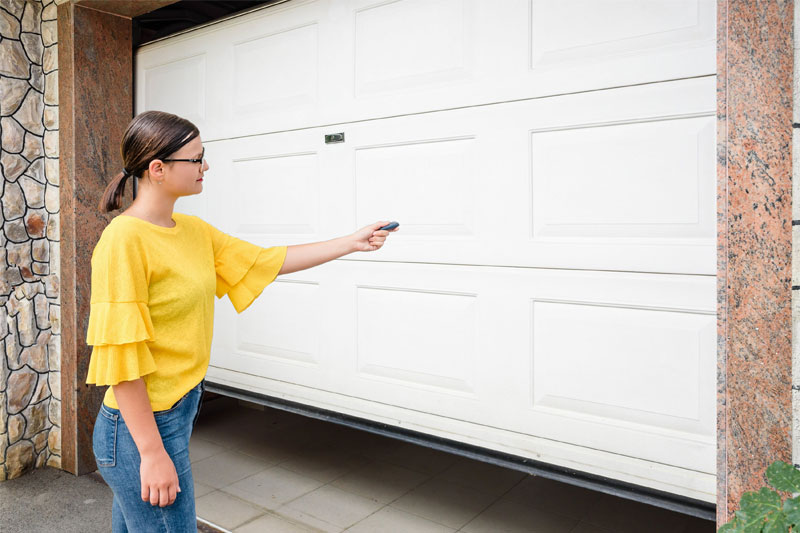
[552,163]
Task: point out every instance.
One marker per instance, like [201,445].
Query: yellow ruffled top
[152,304]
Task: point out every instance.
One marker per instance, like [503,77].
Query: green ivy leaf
[764,511]
[759,504]
[734,526]
[791,508]
[784,477]
[750,523]
[776,523]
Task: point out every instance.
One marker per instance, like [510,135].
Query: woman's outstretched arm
[303,256]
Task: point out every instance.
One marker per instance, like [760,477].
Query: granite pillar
[754,127]
[95,96]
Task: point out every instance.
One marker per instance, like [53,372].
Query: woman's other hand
[371,238]
[159,478]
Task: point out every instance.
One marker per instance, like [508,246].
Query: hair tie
[126,172]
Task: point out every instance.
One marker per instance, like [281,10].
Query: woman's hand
[159,478]
[370,238]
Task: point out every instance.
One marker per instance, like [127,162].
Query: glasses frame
[201,160]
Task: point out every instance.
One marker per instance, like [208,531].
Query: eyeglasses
[201,160]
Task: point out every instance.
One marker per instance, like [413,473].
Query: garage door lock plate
[334,138]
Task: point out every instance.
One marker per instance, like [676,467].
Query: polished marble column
[754,200]
[95,98]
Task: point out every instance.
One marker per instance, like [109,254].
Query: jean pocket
[104,439]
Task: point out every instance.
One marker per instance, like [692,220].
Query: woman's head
[154,148]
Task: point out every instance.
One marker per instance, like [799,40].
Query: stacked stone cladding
[30,328]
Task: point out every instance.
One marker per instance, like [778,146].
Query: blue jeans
[118,462]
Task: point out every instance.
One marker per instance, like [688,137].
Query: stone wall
[30,329]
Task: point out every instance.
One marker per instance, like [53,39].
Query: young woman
[154,277]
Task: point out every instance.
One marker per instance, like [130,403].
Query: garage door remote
[390,226]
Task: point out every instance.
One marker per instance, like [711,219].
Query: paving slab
[47,499]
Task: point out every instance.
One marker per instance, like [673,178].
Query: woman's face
[184,178]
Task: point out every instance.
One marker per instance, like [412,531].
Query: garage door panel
[585,31]
[635,364]
[629,181]
[491,186]
[492,346]
[581,192]
[243,92]
[294,333]
[430,186]
[292,348]
[262,209]
[270,188]
[178,86]
[625,358]
[417,337]
[291,52]
[305,64]
[277,64]
[408,44]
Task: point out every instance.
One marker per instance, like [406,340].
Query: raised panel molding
[276,70]
[293,332]
[178,87]
[418,338]
[585,31]
[628,182]
[406,44]
[277,193]
[437,197]
[635,364]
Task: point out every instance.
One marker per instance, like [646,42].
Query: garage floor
[259,469]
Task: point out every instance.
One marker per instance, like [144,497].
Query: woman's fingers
[164,496]
[154,495]
[160,483]
[378,236]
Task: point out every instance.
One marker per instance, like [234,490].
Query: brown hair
[150,135]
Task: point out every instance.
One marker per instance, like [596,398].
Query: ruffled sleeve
[119,318]
[244,269]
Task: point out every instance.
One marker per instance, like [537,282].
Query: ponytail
[112,196]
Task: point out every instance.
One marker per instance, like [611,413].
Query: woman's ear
[156,170]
